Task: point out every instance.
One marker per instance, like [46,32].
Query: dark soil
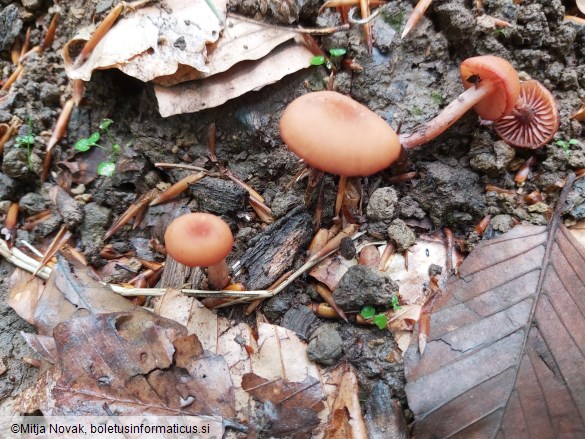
[404,81]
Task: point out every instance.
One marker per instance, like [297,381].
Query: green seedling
[335,53]
[108,167]
[369,313]
[395,303]
[566,145]
[27,140]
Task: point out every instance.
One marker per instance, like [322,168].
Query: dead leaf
[23,295]
[246,76]
[156,40]
[42,345]
[346,419]
[240,41]
[578,231]
[331,270]
[506,349]
[296,403]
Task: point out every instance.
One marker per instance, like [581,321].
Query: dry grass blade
[6,131]
[580,113]
[59,241]
[58,133]
[365,12]
[132,212]
[12,78]
[263,211]
[507,335]
[177,188]
[416,15]
[328,297]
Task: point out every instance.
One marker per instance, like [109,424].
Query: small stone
[435,269]
[95,223]
[502,223]
[539,207]
[325,346]
[401,234]
[10,26]
[361,286]
[410,209]
[382,205]
[33,203]
[347,248]
[7,187]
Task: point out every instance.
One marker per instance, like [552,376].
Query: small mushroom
[201,240]
[533,121]
[336,134]
[492,88]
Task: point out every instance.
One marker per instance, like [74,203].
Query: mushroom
[533,121]
[201,240]
[492,88]
[336,134]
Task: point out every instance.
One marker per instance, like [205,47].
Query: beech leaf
[505,356]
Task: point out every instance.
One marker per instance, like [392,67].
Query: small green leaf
[573,142]
[395,303]
[368,312]
[94,138]
[318,60]
[24,140]
[337,51]
[380,320]
[106,169]
[83,145]
[106,124]
[115,148]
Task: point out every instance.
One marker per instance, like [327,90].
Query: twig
[300,30]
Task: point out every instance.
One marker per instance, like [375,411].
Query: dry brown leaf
[240,41]
[42,345]
[24,293]
[276,354]
[346,419]
[124,363]
[153,41]
[578,231]
[246,76]
[296,404]
[331,270]
[426,251]
[505,354]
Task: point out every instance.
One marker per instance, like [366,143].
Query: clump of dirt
[406,81]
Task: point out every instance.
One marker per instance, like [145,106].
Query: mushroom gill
[534,120]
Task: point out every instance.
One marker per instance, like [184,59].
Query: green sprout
[566,145]
[395,303]
[108,167]
[369,313]
[380,320]
[437,97]
[26,140]
[319,60]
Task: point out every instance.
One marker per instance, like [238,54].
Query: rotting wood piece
[276,248]
[219,196]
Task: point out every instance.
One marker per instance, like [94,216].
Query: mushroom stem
[218,275]
[340,194]
[450,114]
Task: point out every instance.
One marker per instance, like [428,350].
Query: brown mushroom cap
[502,74]
[335,134]
[198,239]
[535,119]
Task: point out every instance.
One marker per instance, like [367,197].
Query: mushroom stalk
[218,275]
[450,114]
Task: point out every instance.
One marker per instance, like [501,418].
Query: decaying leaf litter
[449,189]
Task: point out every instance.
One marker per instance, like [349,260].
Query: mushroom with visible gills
[492,88]
[201,240]
[533,121]
[336,134]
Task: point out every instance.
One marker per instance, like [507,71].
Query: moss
[437,97]
[394,20]
[416,111]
